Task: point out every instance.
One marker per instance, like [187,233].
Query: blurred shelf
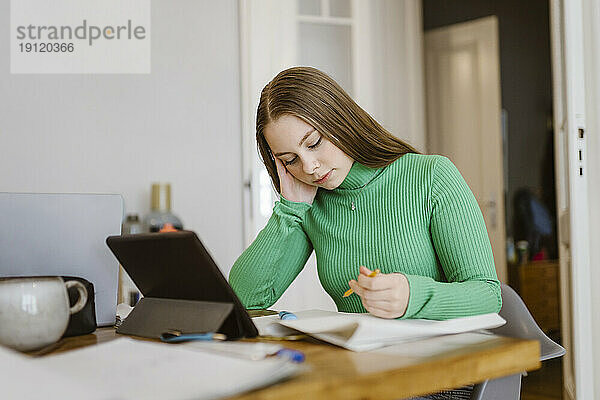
[537,284]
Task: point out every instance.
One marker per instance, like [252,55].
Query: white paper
[437,345]
[123,310]
[362,332]
[133,369]
[22,378]
[247,350]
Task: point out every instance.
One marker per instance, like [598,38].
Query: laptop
[63,234]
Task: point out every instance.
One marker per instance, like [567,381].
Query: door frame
[569,48]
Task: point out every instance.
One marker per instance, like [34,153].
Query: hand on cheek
[293,189]
[384,295]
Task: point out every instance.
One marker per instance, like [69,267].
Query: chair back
[519,324]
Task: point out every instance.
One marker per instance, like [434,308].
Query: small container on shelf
[523,251]
[132,225]
[511,253]
[161,213]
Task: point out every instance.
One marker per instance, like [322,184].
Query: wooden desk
[338,373]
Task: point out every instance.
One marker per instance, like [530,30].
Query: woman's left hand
[384,295]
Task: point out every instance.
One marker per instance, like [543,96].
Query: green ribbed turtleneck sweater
[416,216]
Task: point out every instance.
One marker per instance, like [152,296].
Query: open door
[464,115]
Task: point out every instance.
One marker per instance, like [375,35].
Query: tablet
[176,265]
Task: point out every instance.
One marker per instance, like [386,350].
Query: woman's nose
[310,165]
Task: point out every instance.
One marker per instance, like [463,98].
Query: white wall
[120,133]
[389,66]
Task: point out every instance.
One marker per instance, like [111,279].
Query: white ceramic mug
[34,311]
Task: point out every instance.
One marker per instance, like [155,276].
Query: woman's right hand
[293,189]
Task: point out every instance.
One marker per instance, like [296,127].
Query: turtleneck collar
[358,176]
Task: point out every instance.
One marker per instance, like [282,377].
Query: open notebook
[362,332]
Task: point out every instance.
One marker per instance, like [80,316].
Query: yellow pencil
[350,291]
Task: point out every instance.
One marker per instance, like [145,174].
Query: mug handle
[82,296]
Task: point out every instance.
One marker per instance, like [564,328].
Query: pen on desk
[175,336]
[371,275]
[291,354]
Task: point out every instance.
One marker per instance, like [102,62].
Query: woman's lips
[323,179]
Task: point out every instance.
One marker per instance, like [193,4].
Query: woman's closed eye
[293,160]
[312,146]
[317,143]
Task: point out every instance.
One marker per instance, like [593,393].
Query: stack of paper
[132,369]
[21,378]
[361,332]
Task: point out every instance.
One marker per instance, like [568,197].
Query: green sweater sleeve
[269,265]
[463,249]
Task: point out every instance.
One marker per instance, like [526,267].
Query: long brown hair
[314,97]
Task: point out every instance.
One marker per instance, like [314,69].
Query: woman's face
[306,154]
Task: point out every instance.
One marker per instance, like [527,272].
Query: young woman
[362,199]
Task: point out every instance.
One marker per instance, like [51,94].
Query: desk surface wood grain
[333,372]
